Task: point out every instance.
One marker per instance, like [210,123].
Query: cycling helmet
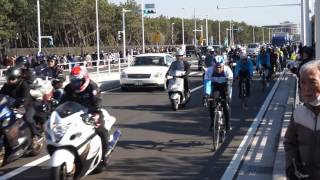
[13,73]
[179,52]
[22,61]
[40,56]
[210,49]
[219,61]
[79,78]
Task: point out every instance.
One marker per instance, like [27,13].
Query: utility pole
[182,27]
[195,28]
[39,28]
[98,36]
[142,24]
[220,34]
[207,40]
[317,27]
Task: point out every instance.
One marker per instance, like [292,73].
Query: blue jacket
[241,66]
[210,78]
[261,60]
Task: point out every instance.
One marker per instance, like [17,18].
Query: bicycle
[218,127]
[243,91]
[264,74]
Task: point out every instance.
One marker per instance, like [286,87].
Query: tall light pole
[207,40]
[98,36]
[269,36]
[253,36]
[262,35]
[230,36]
[195,27]
[307,23]
[124,31]
[317,27]
[142,24]
[172,33]
[220,34]
[227,36]
[182,26]
[302,38]
[39,28]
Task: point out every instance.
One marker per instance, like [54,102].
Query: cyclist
[244,71]
[263,62]
[219,77]
[210,57]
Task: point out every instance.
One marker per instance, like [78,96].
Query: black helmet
[13,73]
[22,61]
[53,58]
[308,50]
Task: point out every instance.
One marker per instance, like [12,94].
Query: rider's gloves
[96,118]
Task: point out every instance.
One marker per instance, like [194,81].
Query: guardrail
[104,65]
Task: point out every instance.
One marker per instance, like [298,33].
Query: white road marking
[194,89]
[24,168]
[247,139]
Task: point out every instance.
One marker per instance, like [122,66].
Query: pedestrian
[301,143]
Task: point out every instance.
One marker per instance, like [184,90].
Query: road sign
[156,37]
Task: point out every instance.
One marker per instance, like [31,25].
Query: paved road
[158,143]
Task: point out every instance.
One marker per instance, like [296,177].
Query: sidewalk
[264,160]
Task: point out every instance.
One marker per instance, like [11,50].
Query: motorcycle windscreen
[177,73]
[68,108]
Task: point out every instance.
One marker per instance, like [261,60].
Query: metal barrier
[104,65]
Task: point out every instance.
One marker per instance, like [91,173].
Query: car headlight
[6,122]
[157,75]
[124,75]
[59,131]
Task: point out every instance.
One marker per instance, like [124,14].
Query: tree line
[72,23]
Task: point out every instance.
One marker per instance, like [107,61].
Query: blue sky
[253,16]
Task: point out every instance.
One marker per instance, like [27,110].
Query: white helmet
[179,52]
[238,46]
[243,55]
[40,89]
[210,49]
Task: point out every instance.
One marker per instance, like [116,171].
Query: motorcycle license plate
[138,83]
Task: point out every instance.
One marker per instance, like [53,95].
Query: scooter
[176,91]
[15,134]
[74,147]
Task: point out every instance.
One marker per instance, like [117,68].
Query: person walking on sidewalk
[302,142]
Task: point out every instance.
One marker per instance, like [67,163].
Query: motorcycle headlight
[124,75]
[58,131]
[157,75]
[6,122]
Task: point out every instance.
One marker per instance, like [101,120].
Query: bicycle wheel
[264,81]
[243,94]
[216,134]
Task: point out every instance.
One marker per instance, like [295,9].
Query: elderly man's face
[310,85]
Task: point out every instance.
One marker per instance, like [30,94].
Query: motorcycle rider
[219,77]
[263,61]
[84,91]
[55,74]
[40,64]
[19,89]
[244,70]
[181,65]
[27,73]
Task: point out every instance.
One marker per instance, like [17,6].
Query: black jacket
[89,98]
[180,65]
[19,91]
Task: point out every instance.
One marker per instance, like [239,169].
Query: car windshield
[252,45]
[149,61]
[68,108]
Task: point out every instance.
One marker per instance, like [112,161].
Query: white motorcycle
[176,91]
[73,144]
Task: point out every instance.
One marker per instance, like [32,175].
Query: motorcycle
[177,94]
[15,134]
[74,147]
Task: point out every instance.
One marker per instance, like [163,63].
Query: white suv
[253,49]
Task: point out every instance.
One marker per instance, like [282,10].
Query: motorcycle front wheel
[60,173]
[174,104]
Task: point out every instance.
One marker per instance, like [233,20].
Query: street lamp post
[17,37]
[39,28]
[253,36]
[219,34]
[98,37]
[317,27]
[172,33]
[262,35]
[142,24]
[182,27]
[124,31]
[207,40]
